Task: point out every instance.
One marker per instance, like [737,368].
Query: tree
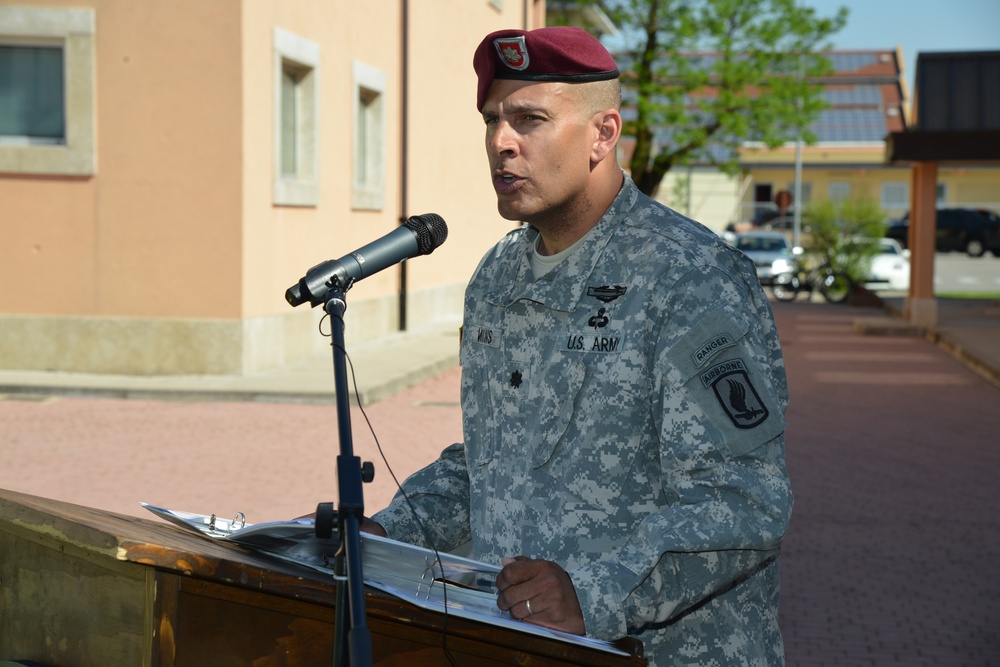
[845,235]
[701,77]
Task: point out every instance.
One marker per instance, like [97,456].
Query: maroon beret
[559,53]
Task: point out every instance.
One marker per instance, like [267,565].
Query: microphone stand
[350,613]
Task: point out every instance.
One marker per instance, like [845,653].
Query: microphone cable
[399,487]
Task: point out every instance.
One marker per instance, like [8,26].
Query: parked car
[890,269]
[973,231]
[772,221]
[770,252]
[784,223]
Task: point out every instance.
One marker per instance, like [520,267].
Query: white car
[770,252]
[890,268]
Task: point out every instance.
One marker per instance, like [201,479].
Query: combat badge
[607,293]
[731,384]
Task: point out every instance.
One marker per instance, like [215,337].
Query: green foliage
[719,72]
[845,235]
[985,296]
[681,194]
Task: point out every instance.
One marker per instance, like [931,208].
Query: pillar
[921,306]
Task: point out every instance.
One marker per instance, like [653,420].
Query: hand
[372,527]
[367,525]
[546,587]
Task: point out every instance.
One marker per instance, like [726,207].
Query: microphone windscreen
[430,229]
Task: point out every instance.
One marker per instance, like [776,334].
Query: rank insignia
[515,379]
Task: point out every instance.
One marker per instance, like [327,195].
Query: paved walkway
[891,557]
[892,554]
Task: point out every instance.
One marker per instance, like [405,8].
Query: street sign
[783,198]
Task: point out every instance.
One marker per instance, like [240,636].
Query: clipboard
[437,581]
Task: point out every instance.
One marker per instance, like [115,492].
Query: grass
[968,295]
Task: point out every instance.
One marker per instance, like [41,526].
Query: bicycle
[834,286]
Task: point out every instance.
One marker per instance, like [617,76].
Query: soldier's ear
[609,129]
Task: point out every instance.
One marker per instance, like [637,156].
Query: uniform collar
[564,286]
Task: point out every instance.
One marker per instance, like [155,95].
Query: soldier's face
[538,141]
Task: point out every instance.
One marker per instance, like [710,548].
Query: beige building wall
[704,194]
[976,186]
[172,255]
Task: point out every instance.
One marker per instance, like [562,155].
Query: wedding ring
[527,603]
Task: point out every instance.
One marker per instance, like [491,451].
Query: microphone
[419,235]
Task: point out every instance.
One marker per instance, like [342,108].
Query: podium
[82,587]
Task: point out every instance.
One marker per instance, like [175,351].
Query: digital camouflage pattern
[624,417]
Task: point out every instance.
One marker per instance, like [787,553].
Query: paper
[420,576]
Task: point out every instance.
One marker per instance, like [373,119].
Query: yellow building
[168,170]
[867,101]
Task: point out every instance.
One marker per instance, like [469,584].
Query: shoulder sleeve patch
[729,386]
[704,340]
[737,395]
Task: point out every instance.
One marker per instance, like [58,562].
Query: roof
[957,110]
[864,93]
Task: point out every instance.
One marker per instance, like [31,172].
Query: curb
[956,350]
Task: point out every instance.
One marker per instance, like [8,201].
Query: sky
[916,26]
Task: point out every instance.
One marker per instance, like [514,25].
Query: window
[364,157]
[807,191]
[942,194]
[296,135]
[47,91]
[369,138]
[31,95]
[839,191]
[895,196]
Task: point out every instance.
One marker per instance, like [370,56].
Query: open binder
[417,575]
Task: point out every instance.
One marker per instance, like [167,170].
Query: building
[168,170]
[956,130]
[867,101]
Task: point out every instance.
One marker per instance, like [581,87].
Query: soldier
[623,390]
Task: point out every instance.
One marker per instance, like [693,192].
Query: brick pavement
[893,550]
[270,461]
[892,554]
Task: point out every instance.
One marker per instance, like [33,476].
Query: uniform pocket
[479,425]
[588,434]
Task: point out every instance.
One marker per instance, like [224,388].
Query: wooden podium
[81,587]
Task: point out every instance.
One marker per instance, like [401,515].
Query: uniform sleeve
[438,493]
[433,501]
[718,397]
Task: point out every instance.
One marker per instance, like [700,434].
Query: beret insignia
[513,52]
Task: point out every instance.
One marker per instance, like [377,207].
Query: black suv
[972,230]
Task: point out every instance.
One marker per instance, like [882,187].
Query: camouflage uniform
[623,417]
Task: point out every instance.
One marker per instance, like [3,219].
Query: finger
[516,571]
[513,599]
[524,609]
[513,602]
[530,610]
[548,599]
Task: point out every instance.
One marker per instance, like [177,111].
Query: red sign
[783,198]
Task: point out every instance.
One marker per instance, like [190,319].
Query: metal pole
[797,211]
